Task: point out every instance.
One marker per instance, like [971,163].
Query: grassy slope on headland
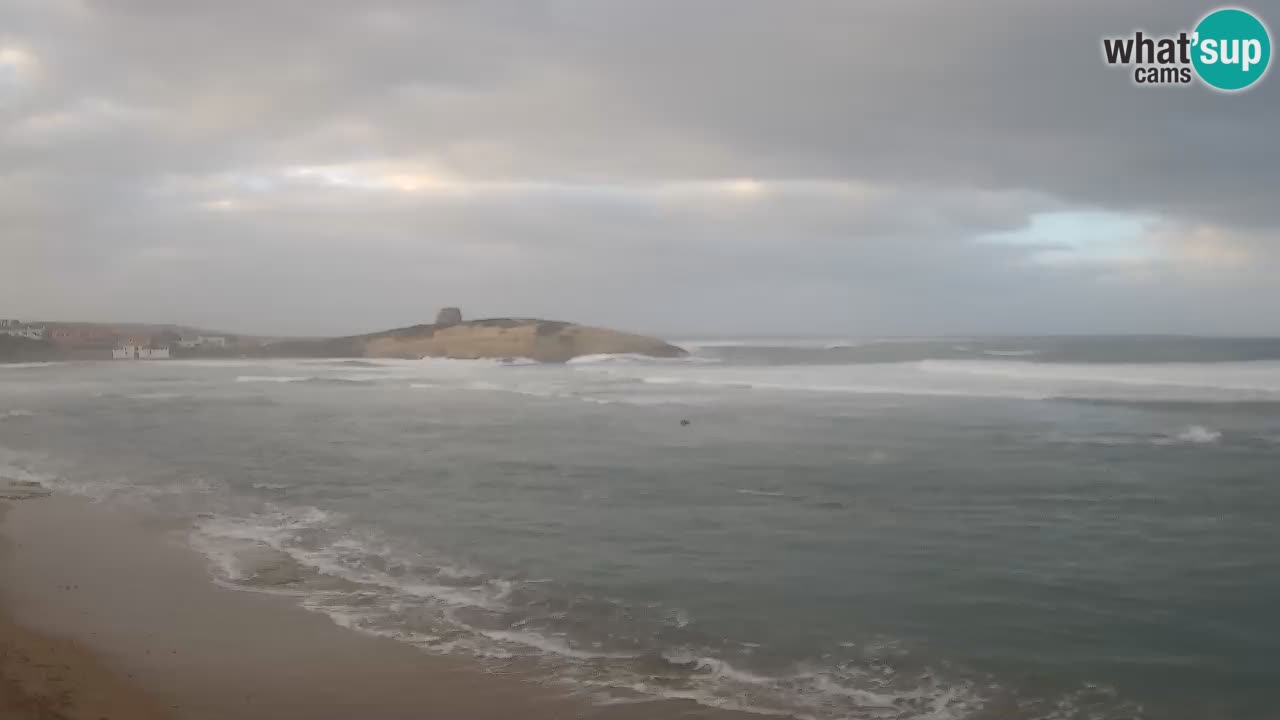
[544,340]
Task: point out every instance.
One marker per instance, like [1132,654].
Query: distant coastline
[448,337]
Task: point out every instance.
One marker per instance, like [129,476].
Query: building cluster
[145,348]
[89,339]
[136,348]
[17,328]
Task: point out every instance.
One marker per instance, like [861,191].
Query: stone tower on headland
[448,317]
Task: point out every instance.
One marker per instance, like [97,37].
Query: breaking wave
[362,582]
[638,359]
[1194,383]
[313,379]
[1197,435]
[1190,435]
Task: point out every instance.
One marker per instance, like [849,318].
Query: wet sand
[107,615]
[56,679]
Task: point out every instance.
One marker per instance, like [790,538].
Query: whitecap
[639,359]
[761,493]
[1011,353]
[1192,435]
[552,646]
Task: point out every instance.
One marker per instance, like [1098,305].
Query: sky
[680,167]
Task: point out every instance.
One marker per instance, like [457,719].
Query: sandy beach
[108,616]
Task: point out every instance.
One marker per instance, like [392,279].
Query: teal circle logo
[1231,49]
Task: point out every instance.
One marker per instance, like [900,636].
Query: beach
[108,616]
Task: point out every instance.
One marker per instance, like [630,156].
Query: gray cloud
[724,166]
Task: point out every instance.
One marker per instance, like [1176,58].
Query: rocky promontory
[452,337]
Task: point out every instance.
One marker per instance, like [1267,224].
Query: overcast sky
[683,167]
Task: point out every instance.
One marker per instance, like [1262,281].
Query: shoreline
[109,615]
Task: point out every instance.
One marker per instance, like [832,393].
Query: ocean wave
[1190,435]
[27,365]
[1011,353]
[18,481]
[312,379]
[827,343]
[536,392]
[276,552]
[344,363]
[361,582]
[551,645]
[1259,378]
[471,363]
[358,558]
[639,359]
[999,379]
[828,692]
[16,414]
[842,386]
[664,380]
[1195,435]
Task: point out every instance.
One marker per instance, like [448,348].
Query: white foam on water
[223,556]
[663,380]
[1007,379]
[544,391]
[605,358]
[376,606]
[1011,353]
[827,343]
[553,646]
[459,597]
[1190,435]
[16,414]
[273,378]
[718,668]
[17,479]
[638,359]
[1196,435]
[1110,379]
[761,493]
[344,557]
[465,364]
[458,572]
[636,380]
[806,695]
[27,365]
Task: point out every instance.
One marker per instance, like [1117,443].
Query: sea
[967,528]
